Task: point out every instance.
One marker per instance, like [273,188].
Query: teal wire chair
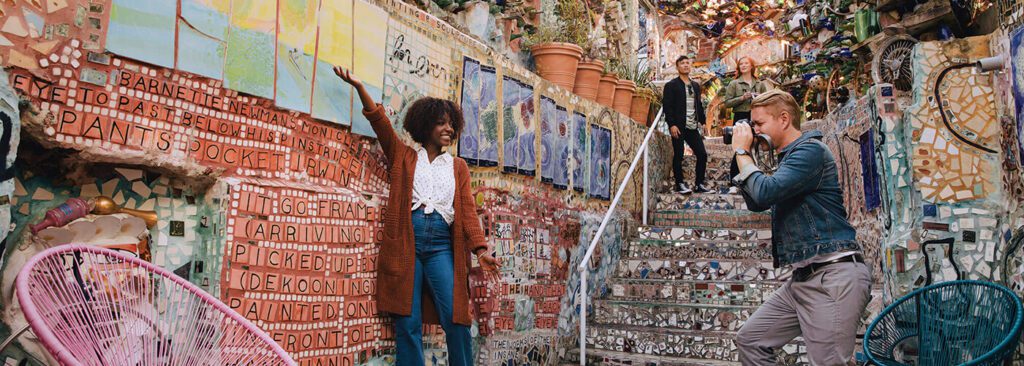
[966,323]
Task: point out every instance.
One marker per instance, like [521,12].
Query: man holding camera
[684,113]
[831,284]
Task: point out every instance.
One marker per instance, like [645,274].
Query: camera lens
[727,135]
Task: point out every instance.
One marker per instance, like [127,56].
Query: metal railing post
[582,268]
[583,317]
[646,181]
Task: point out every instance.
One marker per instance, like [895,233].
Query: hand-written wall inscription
[178,115]
[302,261]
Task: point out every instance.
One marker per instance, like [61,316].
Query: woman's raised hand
[346,74]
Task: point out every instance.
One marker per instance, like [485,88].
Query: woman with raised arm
[430,228]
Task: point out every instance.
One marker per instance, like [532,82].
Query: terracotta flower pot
[557,62]
[606,90]
[639,109]
[624,96]
[588,77]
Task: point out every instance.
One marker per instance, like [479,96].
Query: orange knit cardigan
[397,250]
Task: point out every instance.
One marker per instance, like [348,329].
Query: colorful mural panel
[202,37]
[600,162]
[143,30]
[548,128]
[296,53]
[369,54]
[332,97]
[511,102]
[249,62]
[471,90]
[526,136]
[487,112]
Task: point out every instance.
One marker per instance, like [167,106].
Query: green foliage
[572,26]
[637,72]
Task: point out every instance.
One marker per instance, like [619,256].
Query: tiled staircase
[686,283]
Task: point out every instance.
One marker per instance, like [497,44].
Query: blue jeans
[435,265]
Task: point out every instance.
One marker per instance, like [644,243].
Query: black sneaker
[681,188]
[701,189]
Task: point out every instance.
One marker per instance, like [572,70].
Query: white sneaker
[734,190]
[681,188]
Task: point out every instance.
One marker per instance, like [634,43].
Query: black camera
[727,131]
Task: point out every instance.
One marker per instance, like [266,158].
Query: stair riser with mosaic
[706,345]
[699,249]
[713,219]
[685,234]
[699,201]
[709,318]
[735,293]
[701,270]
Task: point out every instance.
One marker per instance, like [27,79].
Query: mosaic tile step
[713,219]
[700,270]
[696,317]
[685,234]
[705,345]
[699,249]
[705,201]
[735,293]
[613,358]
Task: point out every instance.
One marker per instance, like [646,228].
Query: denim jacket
[808,216]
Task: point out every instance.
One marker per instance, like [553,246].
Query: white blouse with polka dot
[433,186]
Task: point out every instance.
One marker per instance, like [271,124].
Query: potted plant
[624,88]
[606,87]
[555,46]
[644,94]
[589,73]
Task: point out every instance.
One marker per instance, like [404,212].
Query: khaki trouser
[825,309]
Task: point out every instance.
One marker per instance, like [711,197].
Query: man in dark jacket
[684,113]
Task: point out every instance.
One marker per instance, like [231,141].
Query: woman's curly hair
[426,113]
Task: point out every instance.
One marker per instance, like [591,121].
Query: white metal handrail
[604,223]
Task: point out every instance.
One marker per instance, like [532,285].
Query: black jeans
[696,142]
[734,169]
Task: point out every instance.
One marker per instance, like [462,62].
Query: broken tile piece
[34,21]
[109,187]
[19,189]
[129,174]
[15,25]
[160,190]
[42,195]
[54,5]
[90,191]
[16,58]
[44,47]
[119,198]
[140,188]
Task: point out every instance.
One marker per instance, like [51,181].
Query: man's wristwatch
[742,151]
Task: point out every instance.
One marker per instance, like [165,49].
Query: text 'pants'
[825,309]
[435,269]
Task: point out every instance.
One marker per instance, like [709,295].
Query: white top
[691,107]
[433,186]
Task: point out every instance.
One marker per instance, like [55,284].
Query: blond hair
[779,101]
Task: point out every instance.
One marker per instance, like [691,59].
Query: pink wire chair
[94,306]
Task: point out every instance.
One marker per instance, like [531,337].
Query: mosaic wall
[944,176]
[285,185]
[849,134]
[178,203]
